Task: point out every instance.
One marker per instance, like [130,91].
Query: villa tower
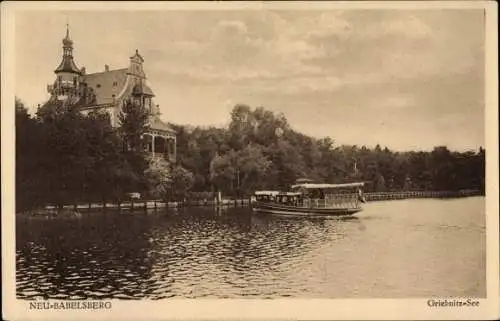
[107,91]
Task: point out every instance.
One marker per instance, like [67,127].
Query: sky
[405,79]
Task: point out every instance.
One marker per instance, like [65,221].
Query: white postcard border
[386,309]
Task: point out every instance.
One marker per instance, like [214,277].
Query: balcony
[160,146]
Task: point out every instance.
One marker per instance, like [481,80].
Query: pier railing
[150,204]
[331,202]
[384,196]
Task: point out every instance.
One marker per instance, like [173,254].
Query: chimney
[83,70]
[106,68]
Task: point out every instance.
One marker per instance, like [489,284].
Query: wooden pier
[386,196]
[150,204]
[159,204]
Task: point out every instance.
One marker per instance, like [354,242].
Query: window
[115,83]
[98,86]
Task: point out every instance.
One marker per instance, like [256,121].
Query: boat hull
[286,210]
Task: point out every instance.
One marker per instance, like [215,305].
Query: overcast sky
[406,79]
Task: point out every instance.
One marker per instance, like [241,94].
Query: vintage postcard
[250,160]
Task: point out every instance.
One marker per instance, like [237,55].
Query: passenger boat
[312,200]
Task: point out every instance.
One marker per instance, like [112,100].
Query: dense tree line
[65,156]
[260,150]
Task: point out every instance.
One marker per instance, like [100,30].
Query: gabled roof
[142,89]
[158,124]
[106,84]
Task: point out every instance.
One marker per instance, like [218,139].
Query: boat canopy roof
[275,193]
[327,186]
[290,193]
[271,193]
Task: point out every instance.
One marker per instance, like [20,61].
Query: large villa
[107,90]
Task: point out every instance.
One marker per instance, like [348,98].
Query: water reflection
[233,253]
[97,257]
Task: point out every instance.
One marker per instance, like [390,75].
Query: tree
[133,120]
[222,171]
[288,164]
[28,183]
[159,177]
[108,173]
[68,156]
[252,166]
[241,126]
[240,171]
[380,185]
[182,182]
[441,163]
[168,181]
[64,156]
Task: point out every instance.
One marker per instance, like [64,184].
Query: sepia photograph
[249,151]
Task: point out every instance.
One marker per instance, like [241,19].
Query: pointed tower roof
[67,40]
[67,64]
[135,67]
[137,57]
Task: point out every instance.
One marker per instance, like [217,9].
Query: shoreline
[76,210]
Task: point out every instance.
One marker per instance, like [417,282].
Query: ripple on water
[196,253]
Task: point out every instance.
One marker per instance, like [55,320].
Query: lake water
[393,249]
